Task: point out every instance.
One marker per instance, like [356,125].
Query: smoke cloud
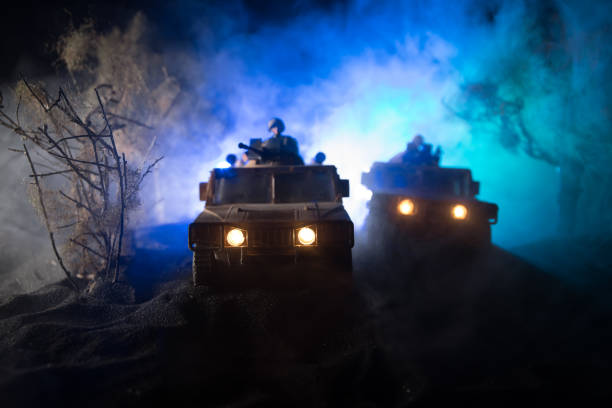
[518,91]
[508,89]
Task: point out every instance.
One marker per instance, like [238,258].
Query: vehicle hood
[274,213]
[390,193]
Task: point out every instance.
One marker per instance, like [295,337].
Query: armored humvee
[427,203]
[267,214]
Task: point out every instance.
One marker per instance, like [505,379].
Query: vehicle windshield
[425,181]
[242,188]
[440,182]
[303,187]
[232,187]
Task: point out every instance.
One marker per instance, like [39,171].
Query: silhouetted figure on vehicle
[278,149]
[419,153]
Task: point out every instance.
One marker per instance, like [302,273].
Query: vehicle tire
[342,262]
[480,237]
[485,236]
[204,268]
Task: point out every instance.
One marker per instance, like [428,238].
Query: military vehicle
[259,216]
[412,203]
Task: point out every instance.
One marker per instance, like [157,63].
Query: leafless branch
[59,172]
[82,245]
[78,203]
[46,218]
[144,174]
[95,177]
[135,122]
[121,185]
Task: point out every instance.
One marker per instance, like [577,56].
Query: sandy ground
[427,329]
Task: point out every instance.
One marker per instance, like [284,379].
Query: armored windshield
[234,186]
[426,181]
[447,183]
[303,187]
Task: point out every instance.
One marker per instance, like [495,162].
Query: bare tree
[82,185]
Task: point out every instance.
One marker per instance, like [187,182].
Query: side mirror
[203,191]
[475,188]
[343,188]
[366,180]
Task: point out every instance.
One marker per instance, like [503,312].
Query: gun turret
[261,153]
[273,156]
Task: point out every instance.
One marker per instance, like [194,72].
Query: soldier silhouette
[418,153]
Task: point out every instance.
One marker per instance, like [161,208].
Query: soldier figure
[418,153]
[280,144]
[280,149]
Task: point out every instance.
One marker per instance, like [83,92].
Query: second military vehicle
[427,203]
[269,214]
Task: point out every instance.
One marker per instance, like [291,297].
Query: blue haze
[359,79]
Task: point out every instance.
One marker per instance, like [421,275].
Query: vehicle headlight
[306,236]
[406,207]
[235,237]
[460,212]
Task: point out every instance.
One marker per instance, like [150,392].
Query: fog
[517,91]
[508,89]
[25,253]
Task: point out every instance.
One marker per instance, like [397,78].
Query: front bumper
[271,239]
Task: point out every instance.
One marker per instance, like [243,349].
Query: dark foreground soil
[433,329]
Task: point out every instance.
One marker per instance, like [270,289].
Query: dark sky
[30,28]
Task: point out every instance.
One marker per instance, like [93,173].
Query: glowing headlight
[235,237]
[306,236]
[460,212]
[406,207]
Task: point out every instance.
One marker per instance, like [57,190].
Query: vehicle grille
[270,237]
[335,233]
[270,215]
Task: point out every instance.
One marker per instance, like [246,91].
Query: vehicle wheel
[487,241]
[204,268]
[342,262]
[480,237]
[484,235]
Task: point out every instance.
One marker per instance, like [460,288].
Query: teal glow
[517,91]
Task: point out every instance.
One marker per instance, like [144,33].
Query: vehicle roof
[407,167]
[403,178]
[268,168]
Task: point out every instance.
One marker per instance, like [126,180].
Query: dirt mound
[475,329]
[189,345]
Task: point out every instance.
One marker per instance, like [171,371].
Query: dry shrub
[82,186]
[141,88]
[119,82]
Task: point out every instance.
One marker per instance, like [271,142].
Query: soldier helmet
[276,123]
